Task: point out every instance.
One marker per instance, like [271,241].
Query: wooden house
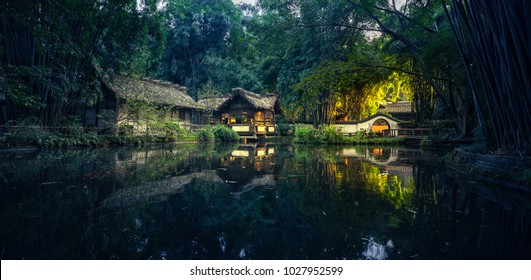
[129,105]
[250,114]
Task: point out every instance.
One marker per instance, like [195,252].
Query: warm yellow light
[241,128]
[261,152]
[240,153]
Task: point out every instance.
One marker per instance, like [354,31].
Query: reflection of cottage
[250,114]
[132,103]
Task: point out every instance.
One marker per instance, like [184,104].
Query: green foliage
[218,133]
[30,132]
[27,131]
[316,54]
[332,135]
[205,134]
[142,117]
[285,129]
[173,131]
[204,41]
[125,129]
[71,125]
[227,73]
[224,134]
[55,52]
[307,135]
[208,90]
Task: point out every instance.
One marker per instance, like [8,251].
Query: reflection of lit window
[339,178]
[270,151]
[377,151]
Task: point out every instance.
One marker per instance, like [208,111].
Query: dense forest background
[465,64]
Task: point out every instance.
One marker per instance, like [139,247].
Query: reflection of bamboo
[128,196]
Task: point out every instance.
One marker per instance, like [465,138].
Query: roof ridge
[163,83]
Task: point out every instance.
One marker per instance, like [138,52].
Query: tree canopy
[464,63]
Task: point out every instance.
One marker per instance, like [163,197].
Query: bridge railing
[407,132]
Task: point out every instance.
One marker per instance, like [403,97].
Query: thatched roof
[140,194]
[153,91]
[212,103]
[265,101]
[397,107]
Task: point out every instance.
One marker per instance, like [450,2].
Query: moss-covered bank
[511,171]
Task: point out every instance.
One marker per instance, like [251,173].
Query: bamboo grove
[493,40]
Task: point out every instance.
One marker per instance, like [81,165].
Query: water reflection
[256,201]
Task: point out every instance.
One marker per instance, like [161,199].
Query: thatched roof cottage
[248,113]
[130,103]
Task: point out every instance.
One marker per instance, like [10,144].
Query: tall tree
[54,53]
[207,41]
[493,40]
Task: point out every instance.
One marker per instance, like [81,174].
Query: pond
[255,201]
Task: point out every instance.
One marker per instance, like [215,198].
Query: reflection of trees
[333,170]
[336,196]
[195,202]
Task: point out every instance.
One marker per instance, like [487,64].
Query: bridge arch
[378,122]
[379,125]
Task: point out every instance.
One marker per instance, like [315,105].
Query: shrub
[173,131]
[306,135]
[205,134]
[285,129]
[125,129]
[331,135]
[71,125]
[366,133]
[27,129]
[224,134]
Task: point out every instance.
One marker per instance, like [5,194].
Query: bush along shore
[76,137]
[332,135]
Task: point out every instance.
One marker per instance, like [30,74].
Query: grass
[36,136]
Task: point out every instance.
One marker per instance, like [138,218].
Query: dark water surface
[260,201]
